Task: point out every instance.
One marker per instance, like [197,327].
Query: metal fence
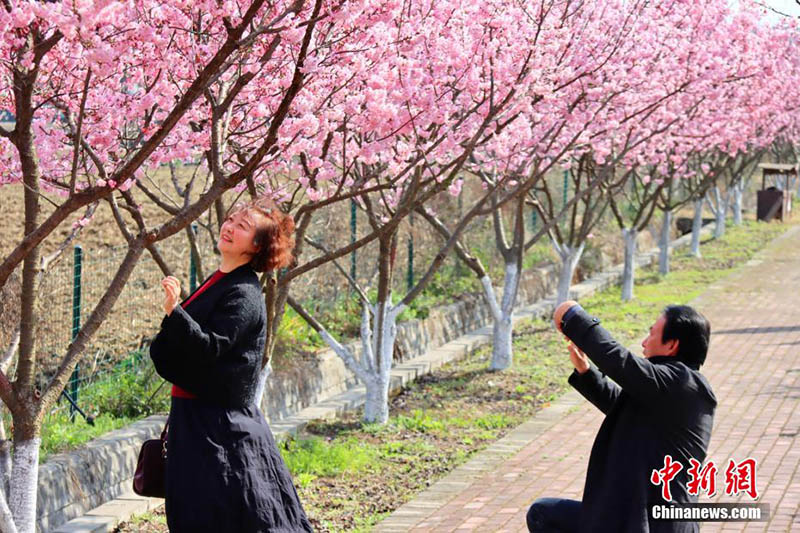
[70,291]
[72,287]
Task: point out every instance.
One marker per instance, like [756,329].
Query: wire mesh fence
[71,288]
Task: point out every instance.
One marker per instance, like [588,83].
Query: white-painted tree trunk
[502,350]
[497,330]
[374,373]
[6,519]
[697,226]
[262,385]
[663,244]
[628,272]
[5,466]
[720,213]
[24,480]
[503,326]
[570,257]
[376,408]
[5,455]
[738,192]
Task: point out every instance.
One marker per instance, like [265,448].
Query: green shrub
[132,389]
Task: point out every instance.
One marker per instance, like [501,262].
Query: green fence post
[76,324]
[353,238]
[192,264]
[566,184]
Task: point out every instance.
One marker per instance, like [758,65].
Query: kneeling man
[655,406]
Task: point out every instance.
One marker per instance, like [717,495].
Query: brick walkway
[754,368]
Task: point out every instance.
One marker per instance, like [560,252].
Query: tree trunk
[262,385]
[498,331]
[502,333]
[376,407]
[697,226]
[663,257]
[720,214]
[569,262]
[738,191]
[502,351]
[375,368]
[24,480]
[629,236]
[5,455]
[6,520]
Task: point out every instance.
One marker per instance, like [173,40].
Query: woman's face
[237,234]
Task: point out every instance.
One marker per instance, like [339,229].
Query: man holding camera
[656,406]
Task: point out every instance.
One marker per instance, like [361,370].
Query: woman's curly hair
[274,235]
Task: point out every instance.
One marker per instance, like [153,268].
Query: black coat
[657,407]
[224,472]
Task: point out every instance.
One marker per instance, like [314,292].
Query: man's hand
[560,310]
[578,359]
[172,291]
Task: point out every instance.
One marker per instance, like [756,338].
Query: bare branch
[353,283]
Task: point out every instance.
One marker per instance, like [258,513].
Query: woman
[224,472]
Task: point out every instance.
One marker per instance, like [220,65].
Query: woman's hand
[578,359]
[172,290]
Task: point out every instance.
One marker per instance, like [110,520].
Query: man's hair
[691,330]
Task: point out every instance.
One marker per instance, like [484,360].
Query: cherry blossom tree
[99,92]
[411,127]
[588,75]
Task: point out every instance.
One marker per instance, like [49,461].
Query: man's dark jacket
[656,407]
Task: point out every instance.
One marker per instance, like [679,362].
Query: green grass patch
[314,457]
[130,391]
[59,433]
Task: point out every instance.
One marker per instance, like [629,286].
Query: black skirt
[224,473]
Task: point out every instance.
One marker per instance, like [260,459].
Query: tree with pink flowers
[101,91]
[411,127]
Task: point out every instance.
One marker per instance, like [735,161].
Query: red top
[216,276]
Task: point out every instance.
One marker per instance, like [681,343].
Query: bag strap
[164,431]
[164,439]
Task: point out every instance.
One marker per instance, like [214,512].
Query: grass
[131,391]
[60,433]
[350,475]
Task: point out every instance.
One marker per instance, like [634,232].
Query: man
[656,406]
